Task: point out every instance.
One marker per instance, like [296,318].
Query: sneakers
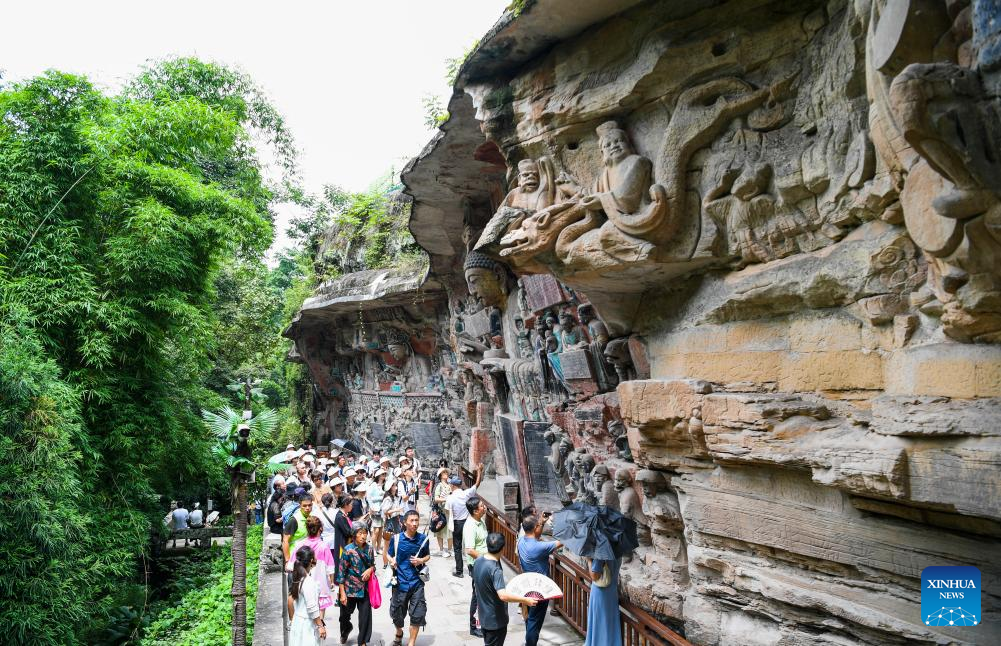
[475,632]
[457,575]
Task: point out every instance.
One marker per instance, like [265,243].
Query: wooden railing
[639,628]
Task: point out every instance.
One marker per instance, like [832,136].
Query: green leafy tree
[117,216]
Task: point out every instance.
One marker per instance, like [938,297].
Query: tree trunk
[239,552]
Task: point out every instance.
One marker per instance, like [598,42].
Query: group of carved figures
[656,513]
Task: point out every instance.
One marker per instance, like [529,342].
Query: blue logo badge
[950,595]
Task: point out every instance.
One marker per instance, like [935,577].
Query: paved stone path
[448,615]
[448,611]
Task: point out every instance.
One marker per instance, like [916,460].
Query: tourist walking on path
[603,608]
[319,487]
[492,598]
[325,512]
[409,552]
[356,568]
[442,489]
[324,571]
[273,515]
[474,542]
[342,526]
[295,527]
[456,504]
[392,514]
[415,464]
[533,555]
[376,492]
[306,627]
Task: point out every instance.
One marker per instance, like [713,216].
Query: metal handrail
[639,628]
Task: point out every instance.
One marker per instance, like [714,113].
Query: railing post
[285,625]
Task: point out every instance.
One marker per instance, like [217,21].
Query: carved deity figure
[535,191]
[580,473]
[486,279]
[935,125]
[414,370]
[598,334]
[571,333]
[524,339]
[630,505]
[602,488]
[620,198]
[625,215]
[617,354]
[660,506]
[553,437]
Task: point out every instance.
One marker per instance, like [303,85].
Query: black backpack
[438,519]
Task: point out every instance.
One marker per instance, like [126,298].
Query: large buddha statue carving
[414,371]
[486,279]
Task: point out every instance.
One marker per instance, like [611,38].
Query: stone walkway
[447,618]
[448,615]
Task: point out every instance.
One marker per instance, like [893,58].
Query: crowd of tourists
[347,520]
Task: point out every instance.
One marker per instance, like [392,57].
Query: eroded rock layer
[732,267]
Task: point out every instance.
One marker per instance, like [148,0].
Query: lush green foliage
[200,610]
[453,65]
[435,114]
[131,227]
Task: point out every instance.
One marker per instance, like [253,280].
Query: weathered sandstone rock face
[732,267]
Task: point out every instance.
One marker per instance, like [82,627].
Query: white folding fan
[534,586]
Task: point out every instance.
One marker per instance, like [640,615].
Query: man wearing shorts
[408,554]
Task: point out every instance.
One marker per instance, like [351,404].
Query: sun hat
[385,458]
[440,469]
[350,472]
[379,472]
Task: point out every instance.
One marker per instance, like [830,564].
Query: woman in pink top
[324,572]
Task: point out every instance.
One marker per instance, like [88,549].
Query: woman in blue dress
[603,608]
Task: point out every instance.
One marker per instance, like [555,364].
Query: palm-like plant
[235,434]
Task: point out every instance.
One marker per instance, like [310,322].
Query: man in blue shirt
[408,553]
[533,554]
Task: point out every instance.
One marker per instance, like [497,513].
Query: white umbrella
[284,456]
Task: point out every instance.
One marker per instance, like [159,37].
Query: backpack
[438,520]
[288,513]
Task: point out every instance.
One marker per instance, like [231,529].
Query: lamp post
[238,481]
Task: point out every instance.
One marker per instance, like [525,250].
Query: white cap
[331,472]
[362,486]
[336,481]
[379,472]
[290,447]
[279,478]
[385,459]
[350,472]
